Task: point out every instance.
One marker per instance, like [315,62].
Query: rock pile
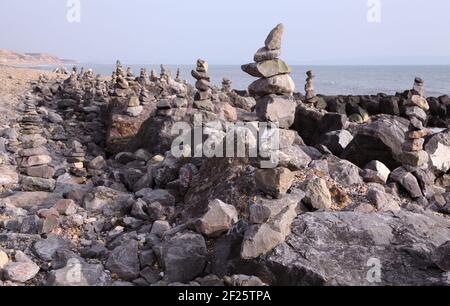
[34,158]
[415,110]
[202,99]
[275,86]
[310,96]
[226,85]
[76,158]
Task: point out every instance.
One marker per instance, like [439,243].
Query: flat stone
[267,68]
[135,111]
[279,84]
[33,151]
[78,273]
[42,171]
[415,158]
[35,161]
[264,54]
[414,111]
[30,183]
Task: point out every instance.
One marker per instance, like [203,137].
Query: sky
[229,32]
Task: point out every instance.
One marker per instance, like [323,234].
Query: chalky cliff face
[93,194]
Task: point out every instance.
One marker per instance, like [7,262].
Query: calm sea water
[330,80]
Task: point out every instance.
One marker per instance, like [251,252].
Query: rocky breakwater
[274,87]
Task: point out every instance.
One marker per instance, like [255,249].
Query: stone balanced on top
[202,97]
[274,87]
[415,109]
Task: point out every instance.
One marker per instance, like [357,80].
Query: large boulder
[124,260]
[349,248]
[380,140]
[277,109]
[184,257]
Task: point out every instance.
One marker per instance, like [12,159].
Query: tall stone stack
[202,99]
[75,158]
[143,77]
[273,90]
[178,76]
[415,109]
[310,96]
[34,159]
[153,76]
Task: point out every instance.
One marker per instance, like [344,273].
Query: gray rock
[134,111]
[382,200]
[158,195]
[46,248]
[159,228]
[124,260]
[264,54]
[337,141]
[78,273]
[407,181]
[344,172]
[29,183]
[219,218]
[184,257]
[345,248]
[273,40]
[441,257]
[278,84]
[438,147]
[22,270]
[266,69]
[376,172]
[316,193]
[277,109]
[8,176]
[274,182]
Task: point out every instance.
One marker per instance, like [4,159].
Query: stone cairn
[226,85]
[202,97]
[415,109]
[34,158]
[75,158]
[273,90]
[153,76]
[309,88]
[143,77]
[178,77]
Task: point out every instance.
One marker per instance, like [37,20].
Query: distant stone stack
[34,158]
[144,97]
[130,75]
[415,109]
[310,96]
[164,74]
[202,99]
[134,108]
[178,77]
[143,77]
[153,76]
[75,158]
[274,87]
[226,85]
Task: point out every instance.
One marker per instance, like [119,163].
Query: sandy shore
[14,82]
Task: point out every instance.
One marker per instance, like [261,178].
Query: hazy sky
[229,31]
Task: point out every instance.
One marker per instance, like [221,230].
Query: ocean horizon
[330,79]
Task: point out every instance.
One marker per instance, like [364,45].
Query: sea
[329,80]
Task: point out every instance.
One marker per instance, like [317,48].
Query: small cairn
[143,77]
[274,87]
[130,74]
[309,88]
[178,77]
[226,85]
[75,158]
[134,108]
[34,158]
[153,76]
[415,109]
[164,74]
[202,99]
